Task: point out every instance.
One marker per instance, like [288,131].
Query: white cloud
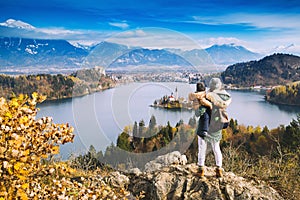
[131,34]
[58,31]
[267,31]
[261,20]
[155,38]
[122,25]
[207,42]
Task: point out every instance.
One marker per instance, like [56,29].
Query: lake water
[99,118]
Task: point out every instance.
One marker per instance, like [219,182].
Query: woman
[220,100]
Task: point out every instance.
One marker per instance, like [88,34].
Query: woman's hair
[200,87]
[214,84]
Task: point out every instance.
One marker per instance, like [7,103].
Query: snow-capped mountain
[285,49]
[20,53]
[150,57]
[105,53]
[120,57]
[11,23]
[228,54]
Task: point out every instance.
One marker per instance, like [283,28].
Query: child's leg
[201,151]
[203,125]
[217,152]
[205,119]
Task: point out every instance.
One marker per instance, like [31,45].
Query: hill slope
[272,70]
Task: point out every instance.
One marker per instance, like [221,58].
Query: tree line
[285,94]
[55,86]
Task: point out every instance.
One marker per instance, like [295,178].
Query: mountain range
[25,54]
[58,55]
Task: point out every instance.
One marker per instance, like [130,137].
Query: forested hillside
[285,94]
[276,69]
[55,86]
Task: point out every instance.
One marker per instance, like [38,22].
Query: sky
[261,26]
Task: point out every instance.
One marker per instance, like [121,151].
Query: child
[202,109]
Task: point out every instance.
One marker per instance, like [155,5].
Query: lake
[98,118]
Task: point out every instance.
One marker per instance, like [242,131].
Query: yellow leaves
[25,185]
[26,152]
[55,150]
[24,141]
[23,159]
[24,120]
[38,98]
[22,178]
[22,194]
[2,150]
[14,102]
[35,95]
[34,158]
[44,156]
[8,115]
[18,165]
[10,171]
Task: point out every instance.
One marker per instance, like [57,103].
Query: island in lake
[173,102]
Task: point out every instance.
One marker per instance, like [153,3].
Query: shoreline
[280,103]
[75,96]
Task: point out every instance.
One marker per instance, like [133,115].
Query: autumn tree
[24,142]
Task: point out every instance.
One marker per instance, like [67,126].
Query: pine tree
[193,122]
[135,129]
[152,122]
[141,127]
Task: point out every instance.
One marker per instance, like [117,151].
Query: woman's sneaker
[219,172]
[200,172]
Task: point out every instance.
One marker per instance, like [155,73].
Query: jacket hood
[222,98]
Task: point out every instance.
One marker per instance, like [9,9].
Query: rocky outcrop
[178,181]
[166,160]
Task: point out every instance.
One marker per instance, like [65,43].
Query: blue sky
[261,26]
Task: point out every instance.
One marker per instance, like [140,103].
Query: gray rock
[169,177]
[166,160]
[117,180]
[135,171]
[179,182]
